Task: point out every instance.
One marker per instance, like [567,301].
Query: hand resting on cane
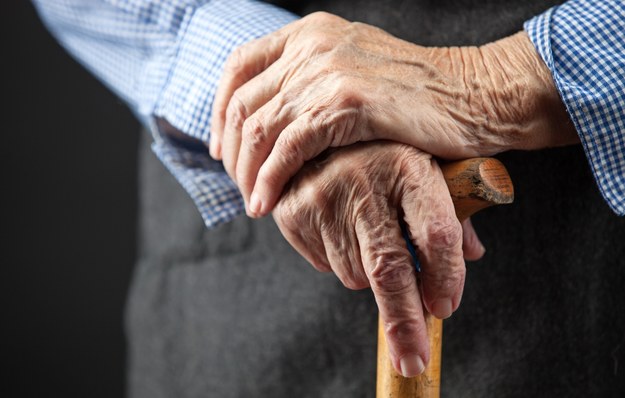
[341,212]
[324,82]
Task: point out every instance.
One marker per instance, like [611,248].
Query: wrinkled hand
[325,82]
[342,214]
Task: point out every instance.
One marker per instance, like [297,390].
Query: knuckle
[320,42]
[234,63]
[321,17]
[293,212]
[236,112]
[349,98]
[414,165]
[404,330]
[355,25]
[288,148]
[444,281]
[342,81]
[312,202]
[253,133]
[392,274]
[319,197]
[338,54]
[285,214]
[325,30]
[339,127]
[345,92]
[321,266]
[444,233]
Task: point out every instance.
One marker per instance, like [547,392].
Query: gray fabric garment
[235,312]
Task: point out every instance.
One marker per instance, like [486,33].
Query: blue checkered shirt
[583,44]
[164,58]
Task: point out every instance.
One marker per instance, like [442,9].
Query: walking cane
[474,184]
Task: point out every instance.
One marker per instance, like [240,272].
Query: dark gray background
[68,219]
[69,212]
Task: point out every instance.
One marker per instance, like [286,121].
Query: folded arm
[331,83]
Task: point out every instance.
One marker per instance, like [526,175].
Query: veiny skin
[341,212]
[323,82]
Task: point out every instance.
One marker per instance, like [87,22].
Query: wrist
[515,99]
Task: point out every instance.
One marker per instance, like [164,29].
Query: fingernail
[411,365]
[255,203]
[441,308]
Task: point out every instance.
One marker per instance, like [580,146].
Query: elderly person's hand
[325,82]
[342,212]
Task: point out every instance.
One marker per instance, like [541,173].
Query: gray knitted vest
[234,312]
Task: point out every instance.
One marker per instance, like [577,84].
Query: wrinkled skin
[325,82]
[342,214]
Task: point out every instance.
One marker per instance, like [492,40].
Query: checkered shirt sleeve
[164,58]
[582,42]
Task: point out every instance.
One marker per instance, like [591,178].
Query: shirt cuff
[581,42]
[207,37]
[215,195]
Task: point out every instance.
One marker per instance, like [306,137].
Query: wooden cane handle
[474,184]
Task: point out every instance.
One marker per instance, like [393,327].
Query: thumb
[472,247]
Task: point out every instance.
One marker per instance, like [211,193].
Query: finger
[392,276]
[436,232]
[258,135]
[343,255]
[243,64]
[286,158]
[307,242]
[270,168]
[245,101]
[472,247]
